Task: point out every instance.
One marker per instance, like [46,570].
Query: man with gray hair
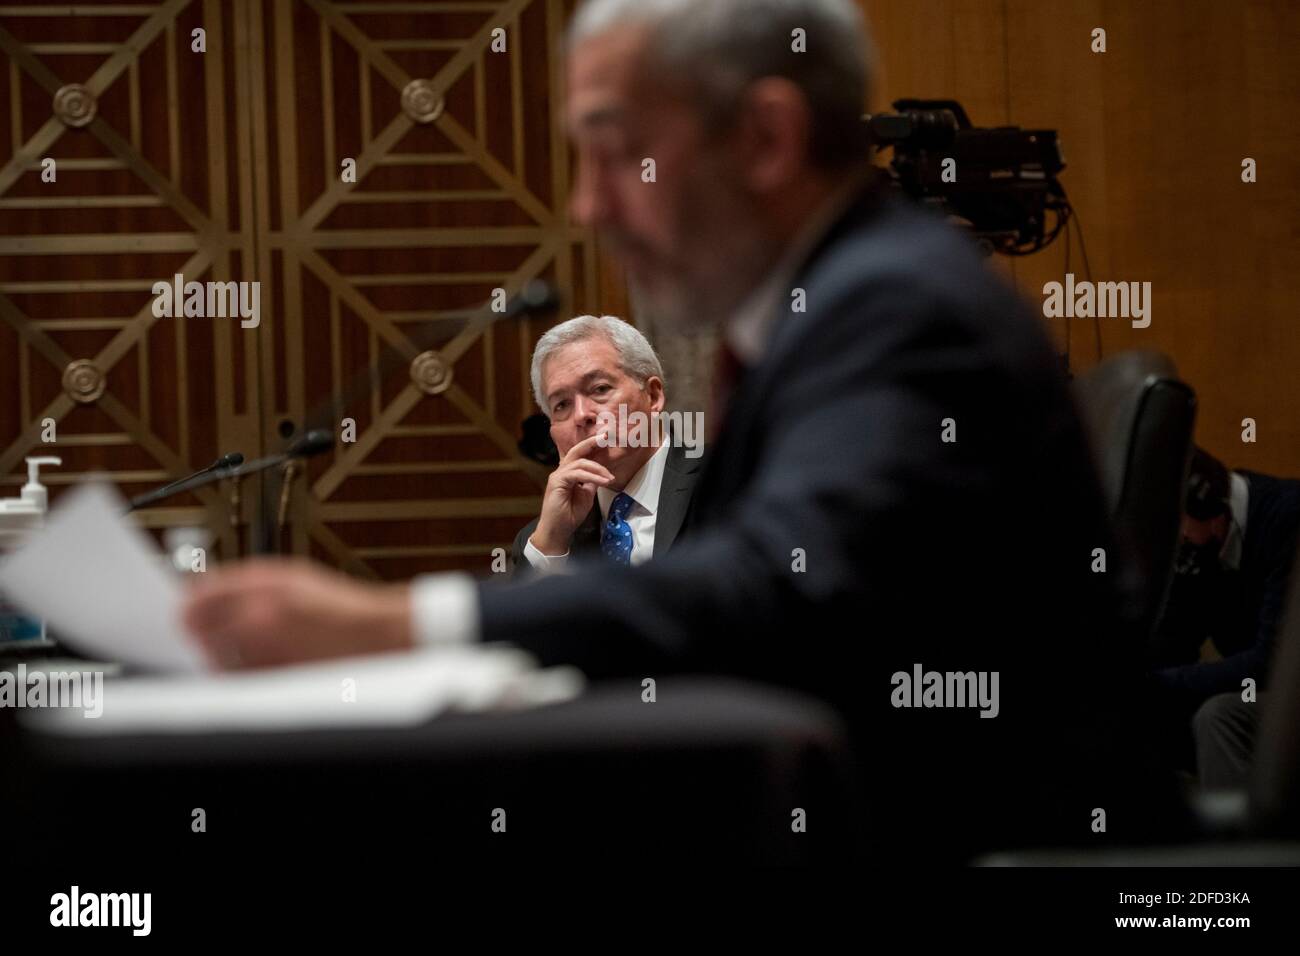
[624,500]
[900,480]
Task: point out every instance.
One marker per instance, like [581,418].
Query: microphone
[315,442]
[537,295]
[224,463]
[312,443]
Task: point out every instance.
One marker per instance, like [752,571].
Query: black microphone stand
[224,464]
[313,443]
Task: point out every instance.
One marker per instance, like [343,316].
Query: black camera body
[1001,182]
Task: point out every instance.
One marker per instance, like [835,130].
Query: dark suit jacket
[673,517]
[970,555]
[1242,609]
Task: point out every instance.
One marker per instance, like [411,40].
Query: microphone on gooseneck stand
[312,443]
[233,460]
[224,465]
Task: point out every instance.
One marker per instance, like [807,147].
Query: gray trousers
[1225,728]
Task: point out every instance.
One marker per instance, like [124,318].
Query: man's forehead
[581,371]
[604,75]
[581,359]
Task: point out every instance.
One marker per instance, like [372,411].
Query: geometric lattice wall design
[226,165]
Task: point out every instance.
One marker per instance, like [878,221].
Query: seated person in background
[624,504]
[1239,541]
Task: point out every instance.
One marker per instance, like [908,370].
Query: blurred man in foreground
[900,513]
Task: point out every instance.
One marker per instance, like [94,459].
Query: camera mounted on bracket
[999,182]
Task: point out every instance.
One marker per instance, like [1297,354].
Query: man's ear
[654,389]
[775,131]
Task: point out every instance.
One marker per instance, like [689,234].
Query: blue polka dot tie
[616,542]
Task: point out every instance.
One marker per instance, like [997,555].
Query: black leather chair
[1140,417]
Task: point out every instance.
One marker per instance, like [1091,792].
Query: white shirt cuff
[444,609]
[545,562]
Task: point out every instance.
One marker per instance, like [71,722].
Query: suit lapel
[680,473]
[586,539]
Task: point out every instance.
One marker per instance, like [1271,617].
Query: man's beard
[672,311]
[696,307]
[699,303]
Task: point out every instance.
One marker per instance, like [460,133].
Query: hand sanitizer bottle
[19,517]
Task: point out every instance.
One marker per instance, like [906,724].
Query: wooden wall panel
[150,187]
[444,211]
[1154,132]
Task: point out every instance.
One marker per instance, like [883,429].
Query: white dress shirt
[444,607]
[643,489]
[1238,503]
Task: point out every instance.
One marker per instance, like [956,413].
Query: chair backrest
[1275,770]
[1140,418]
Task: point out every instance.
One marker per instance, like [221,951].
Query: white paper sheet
[100,582]
[398,689]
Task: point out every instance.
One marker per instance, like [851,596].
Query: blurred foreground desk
[714,769]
